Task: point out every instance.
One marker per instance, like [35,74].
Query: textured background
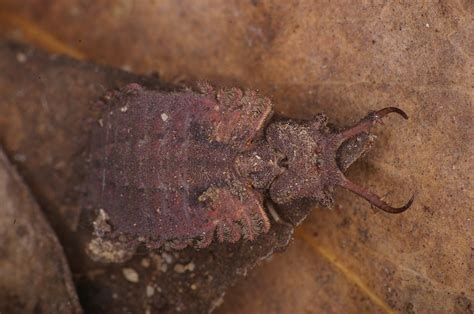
[44,286]
[344,58]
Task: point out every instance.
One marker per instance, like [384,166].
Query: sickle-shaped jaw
[373,198]
[364,126]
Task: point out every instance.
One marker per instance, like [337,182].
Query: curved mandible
[364,126]
[373,198]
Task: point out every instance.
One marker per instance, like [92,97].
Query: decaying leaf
[343,58]
[52,140]
[35,276]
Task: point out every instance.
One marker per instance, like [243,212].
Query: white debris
[167,257]
[21,57]
[130,274]
[164,117]
[159,262]
[190,266]
[145,262]
[180,268]
[150,291]
[127,68]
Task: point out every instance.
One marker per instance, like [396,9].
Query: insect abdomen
[154,157]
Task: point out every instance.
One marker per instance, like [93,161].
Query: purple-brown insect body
[181,168]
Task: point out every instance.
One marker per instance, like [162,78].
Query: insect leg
[271,209]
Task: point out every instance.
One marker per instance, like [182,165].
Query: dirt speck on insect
[131,275]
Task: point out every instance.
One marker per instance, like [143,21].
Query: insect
[183,168]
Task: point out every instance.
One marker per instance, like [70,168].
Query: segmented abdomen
[153,157]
